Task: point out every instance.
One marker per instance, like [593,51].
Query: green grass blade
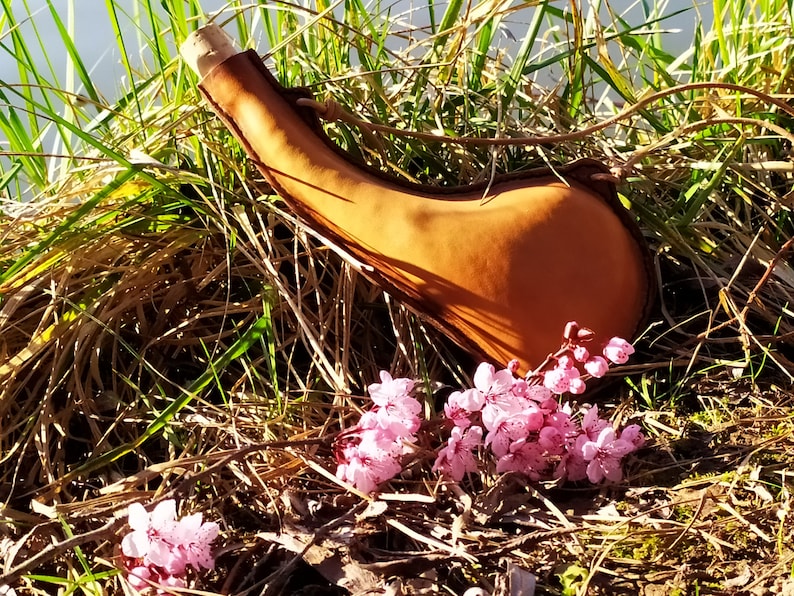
[74,55]
[510,83]
[65,226]
[125,57]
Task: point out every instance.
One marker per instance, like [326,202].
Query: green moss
[571,577]
[647,550]
[683,513]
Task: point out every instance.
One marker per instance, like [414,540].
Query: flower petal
[135,545]
[164,514]
[138,517]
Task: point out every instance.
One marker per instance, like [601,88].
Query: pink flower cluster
[520,420]
[369,453]
[160,548]
[566,375]
[527,430]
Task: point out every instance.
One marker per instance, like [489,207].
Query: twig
[233,454]
[55,550]
[701,504]
[276,579]
[332,111]
[752,296]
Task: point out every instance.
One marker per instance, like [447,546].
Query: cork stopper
[206,48]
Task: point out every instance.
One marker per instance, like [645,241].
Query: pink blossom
[368,457]
[456,459]
[565,362]
[552,440]
[160,547]
[505,427]
[563,377]
[379,442]
[572,466]
[368,420]
[196,537]
[471,400]
[368,454]
[140,577]
[367,471]
[136,543]
[492,382]
[633,434]
[539,393]
[460,405]
[520,388]
[592,425]
[561,421]
[400,415]
[395,410]
[528,430]
[618,350]
[556,380]
[549,406]
[604,456]
[525,457]
[389,388]
[151,533]
[581,354]
[458,416]
[597,366]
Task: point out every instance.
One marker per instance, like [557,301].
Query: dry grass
[169,331]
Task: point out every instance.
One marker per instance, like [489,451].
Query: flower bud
[618,350]
[581,354]
[571,330]
[597,366]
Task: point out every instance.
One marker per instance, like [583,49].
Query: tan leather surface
[502,275]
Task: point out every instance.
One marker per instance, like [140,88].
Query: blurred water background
[95,38]
[107,34]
